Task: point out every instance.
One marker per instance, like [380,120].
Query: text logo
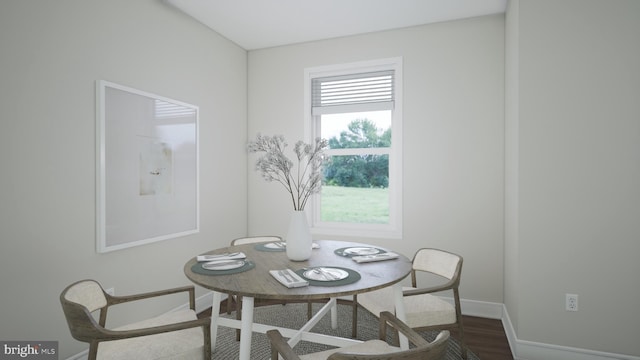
[40,350]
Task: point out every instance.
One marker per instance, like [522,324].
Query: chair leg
[230,301]
[206,330]
[309,310]
[396,337]
[354,317]
[93,350]
[463,345]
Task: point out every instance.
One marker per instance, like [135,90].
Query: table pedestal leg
[400,312]
[215,314]
[246,328]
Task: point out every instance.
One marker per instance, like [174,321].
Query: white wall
[576,69]
[52,54]
[453,136]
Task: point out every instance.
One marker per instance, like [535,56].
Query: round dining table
[256,282]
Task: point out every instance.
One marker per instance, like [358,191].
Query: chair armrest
[450,285]
[280,346]
[387,318]
[109,335]
[113,300]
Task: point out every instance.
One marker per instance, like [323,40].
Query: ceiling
[257,24]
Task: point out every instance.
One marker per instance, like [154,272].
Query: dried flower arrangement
[274,165]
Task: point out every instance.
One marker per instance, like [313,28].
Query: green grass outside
[357,205]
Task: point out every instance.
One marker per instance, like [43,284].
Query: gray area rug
[294,316]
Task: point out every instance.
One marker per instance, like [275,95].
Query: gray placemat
[198,269]
[263,247]
[353,277]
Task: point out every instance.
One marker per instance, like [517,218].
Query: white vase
[298,237]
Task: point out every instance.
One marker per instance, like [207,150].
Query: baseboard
[529,350]
[482,309]
[204,302]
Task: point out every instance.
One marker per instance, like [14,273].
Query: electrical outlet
[571,303]
[111,291]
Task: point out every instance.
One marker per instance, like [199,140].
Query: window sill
[356,233]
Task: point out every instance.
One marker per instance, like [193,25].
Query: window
[357,108]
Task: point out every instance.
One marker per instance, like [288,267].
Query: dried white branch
[274,165]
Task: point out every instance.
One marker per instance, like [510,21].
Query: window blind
[165,109]
[350,92]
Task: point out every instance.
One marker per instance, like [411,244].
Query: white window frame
[312,130]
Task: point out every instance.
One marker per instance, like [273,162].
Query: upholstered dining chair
[372,349]
[423,310]
[255,239]
[175,335]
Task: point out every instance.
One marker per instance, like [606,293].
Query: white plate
[225,266]
[275,245]
[325,274]
[361,251]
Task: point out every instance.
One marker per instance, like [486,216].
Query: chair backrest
[435,350]
[438,262]
[78,301]
[254,239]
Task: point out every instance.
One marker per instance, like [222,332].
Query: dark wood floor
[485,337]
